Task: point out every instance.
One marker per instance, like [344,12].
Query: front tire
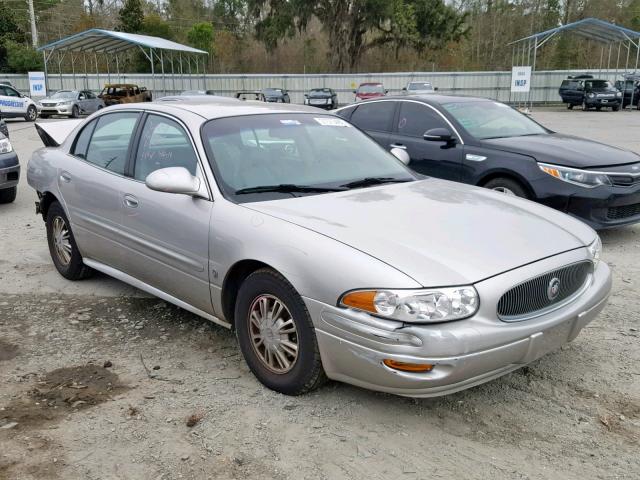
[32,114]
[276,334]
[8,195]
[569,106]
[615,108]
[62,245]
[75,112]
[507,186]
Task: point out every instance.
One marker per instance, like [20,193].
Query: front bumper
[465,353]
[9,170]
[601,207]
[56,110]
[603,102]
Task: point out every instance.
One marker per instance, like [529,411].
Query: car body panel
[117,93]
[9,168]
[12,103]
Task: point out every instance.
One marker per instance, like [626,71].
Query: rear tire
[282,353]
[62,245]
[75,112]
[8,195]
[507,186]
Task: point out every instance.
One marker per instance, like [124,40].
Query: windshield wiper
[370,181]
[286,188]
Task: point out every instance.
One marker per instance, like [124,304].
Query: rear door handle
[130,201]
[398,145]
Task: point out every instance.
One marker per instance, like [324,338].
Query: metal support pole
[73,70]
[204,72]
[118,69]
[173,75]
[106,59]
[60,70]
[197,70]
[181,74]
[95,55]
[533,70]
[164,80]
[86,75]
[46,75]
[153,74]
[633,91]
[189,63]
[609,62]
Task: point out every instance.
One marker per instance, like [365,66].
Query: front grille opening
[12,176]
[532,297]
[626,211]
[624,180]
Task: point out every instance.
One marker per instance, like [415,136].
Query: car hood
[564,150]
[435,231]
[56,100]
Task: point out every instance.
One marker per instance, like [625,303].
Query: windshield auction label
[331,122]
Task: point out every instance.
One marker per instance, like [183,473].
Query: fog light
[407,367]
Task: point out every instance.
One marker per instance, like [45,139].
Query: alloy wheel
[273,333]
[61,241]
[505,190]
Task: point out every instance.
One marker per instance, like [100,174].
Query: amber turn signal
[407,367]
[362,300]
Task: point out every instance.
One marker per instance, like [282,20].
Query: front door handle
[65,177]
[130,201]
[398,145]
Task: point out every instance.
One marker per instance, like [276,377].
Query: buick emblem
[553,289]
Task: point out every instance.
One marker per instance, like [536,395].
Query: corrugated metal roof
[592,28]
[109,41]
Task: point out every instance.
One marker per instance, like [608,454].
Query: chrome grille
[532,297]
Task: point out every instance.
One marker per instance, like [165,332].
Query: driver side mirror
[401,154]
[174,180]
[438,135]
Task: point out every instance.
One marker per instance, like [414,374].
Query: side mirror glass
[401,154]
[438,135]
[173,180]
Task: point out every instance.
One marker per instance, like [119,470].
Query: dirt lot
[99,381]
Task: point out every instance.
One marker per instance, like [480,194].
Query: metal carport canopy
[97,40]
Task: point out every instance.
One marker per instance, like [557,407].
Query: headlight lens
[591,95]
[595,249]
[419,306]
[5,146]
[584,178]
[618,94]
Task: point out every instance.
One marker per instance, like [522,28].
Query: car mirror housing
[401,155]
[438,135]
[174,180]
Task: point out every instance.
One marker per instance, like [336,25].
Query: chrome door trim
[123,277]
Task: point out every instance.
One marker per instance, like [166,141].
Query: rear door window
[109,144]
[375,116]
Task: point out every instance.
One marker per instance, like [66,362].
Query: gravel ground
[99,381]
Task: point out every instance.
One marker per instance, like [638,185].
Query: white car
[13,104]
[419,88]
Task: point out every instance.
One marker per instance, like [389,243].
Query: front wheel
[615,108]
[569,106]
[32,114]
[507,186]
[75,112]
[62,245]
[276,334]
[8,195]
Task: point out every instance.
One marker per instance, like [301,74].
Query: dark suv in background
[630,88]
[588,92]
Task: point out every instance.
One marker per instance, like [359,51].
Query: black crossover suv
[489,144]
[587,92]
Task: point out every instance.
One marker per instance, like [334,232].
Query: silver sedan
[70,103]
[324,252]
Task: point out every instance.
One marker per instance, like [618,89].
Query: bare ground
[98,381]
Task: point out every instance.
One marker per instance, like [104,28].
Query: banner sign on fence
[37,85]
[520,79]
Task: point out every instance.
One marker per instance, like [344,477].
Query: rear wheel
[276,334]
[75,112]
[32,114]
[8,195]
[507,186]
[62,245]
[569,106]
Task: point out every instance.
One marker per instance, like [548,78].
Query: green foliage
[201,36]
[131,16]
[22,58]
[154,25]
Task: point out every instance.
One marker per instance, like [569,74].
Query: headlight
[419,306]
[618,94]
[65,103]
[584,178]
[595,249]
[5,146]
[591,95]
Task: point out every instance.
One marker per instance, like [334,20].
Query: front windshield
[599,84]
[371,89]
[64,94]
[484,120]
[293,149]
[420,86]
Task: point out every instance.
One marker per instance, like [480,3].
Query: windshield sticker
[331,122]
[290,122]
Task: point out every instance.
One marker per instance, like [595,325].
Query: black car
[489,144]
[3,127]
[9,170]
[325,98]
[630,88]
[277,95]
[588,92]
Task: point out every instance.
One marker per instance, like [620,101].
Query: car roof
[371,83]
[210,107]
[430,99]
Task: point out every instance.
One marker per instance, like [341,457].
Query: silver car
[419,88]
[70,103]
[324,252]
